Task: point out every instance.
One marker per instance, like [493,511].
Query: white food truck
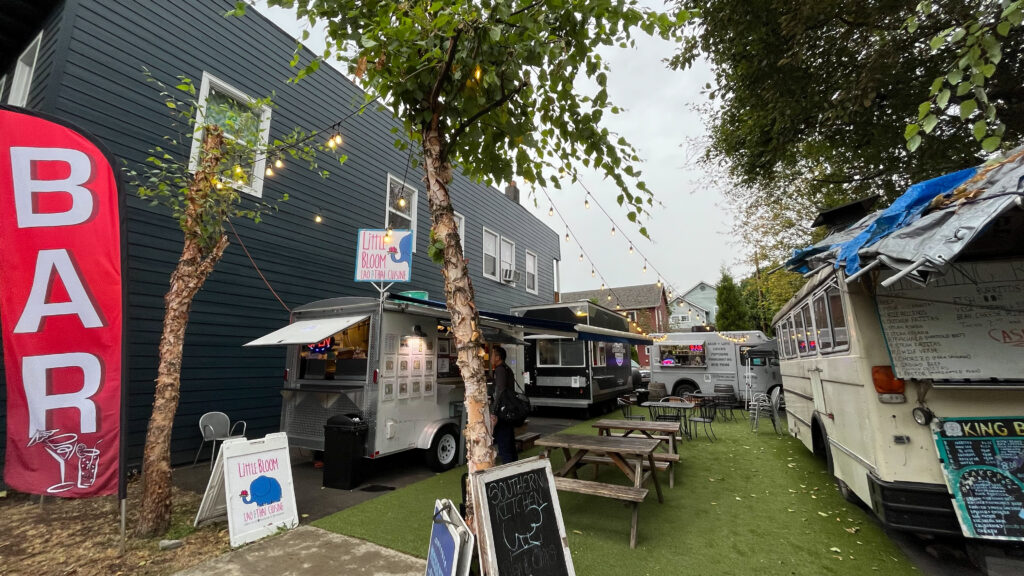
[903,355]
[389,362]
[698,361]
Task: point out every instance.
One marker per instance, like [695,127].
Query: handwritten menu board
[523,530]
[966,325]
[983,462]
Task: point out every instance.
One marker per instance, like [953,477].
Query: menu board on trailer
[983,462]
[966,325]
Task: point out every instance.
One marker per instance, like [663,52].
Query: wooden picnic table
[662,431]
[628,454]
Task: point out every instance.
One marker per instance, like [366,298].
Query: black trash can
[642,395]
[344,441]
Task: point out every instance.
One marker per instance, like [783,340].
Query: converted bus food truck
[903,355]
[389,361]
[586,363]
[699,361]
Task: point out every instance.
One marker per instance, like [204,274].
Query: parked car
[640,377]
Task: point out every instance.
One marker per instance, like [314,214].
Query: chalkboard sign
[523,533]
[983,462]
[963,326]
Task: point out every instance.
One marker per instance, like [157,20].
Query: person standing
[504,432]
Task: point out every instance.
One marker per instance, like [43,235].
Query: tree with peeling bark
[203,197]
[497,88]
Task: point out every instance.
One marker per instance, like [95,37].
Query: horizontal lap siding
[103,89]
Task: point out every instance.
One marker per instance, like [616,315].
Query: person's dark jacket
[502,379]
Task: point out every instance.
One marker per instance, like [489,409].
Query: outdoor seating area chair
[216,427]
[727,401]
[761,405]
[668,413]
[706,413]
[626,405]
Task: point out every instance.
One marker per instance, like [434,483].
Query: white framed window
[212,90]
[400,212]
[21,83]
[508,256]
[555,280]
[531,272]
[491,254]
[631,315]
[561,353]
[460,224]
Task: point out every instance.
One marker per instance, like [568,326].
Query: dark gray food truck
[586,365]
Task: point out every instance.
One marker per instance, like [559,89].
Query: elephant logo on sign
[262,491]
[404,251]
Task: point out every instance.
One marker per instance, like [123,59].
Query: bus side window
[822,331]
[812,343]
[838,317]
[801,344]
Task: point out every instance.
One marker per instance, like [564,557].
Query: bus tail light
[885,381]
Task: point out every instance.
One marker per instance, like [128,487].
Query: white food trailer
[698,361]
[390,362]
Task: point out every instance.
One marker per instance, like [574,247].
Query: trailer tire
[444,449]
[684,387]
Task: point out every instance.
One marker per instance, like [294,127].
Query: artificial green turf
[746,504]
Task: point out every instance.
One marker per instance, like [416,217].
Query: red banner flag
[61,308]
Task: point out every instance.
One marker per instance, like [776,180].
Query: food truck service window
[560,353]
[683,355]
[337,356]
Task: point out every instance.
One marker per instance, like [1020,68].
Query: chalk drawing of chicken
[404,251]
[521,542]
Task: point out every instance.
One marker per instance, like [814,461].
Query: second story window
[531,272]
[490,254]
[401,209]
[460,223]
[508,256]
[231,110]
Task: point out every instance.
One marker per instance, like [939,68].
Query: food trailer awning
[588,332]
[307,331]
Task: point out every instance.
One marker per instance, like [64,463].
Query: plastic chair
[706,416]
[626,405]
[216,427]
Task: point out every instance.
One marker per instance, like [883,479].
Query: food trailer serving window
[560,353]
[340,354]
[683,355]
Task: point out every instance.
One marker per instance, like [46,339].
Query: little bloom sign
[384,256]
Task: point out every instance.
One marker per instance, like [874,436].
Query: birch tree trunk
[459,296]
[194,266]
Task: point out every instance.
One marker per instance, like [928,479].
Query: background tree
[202,200]
[503,88]
[765,292]
[812,99]
[732,310]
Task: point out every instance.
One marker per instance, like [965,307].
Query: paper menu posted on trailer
[983,463]
[384,255]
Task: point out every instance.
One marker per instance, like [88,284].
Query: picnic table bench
[664,432]
[525,440]
[627,454]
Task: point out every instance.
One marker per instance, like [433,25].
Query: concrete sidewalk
[310,550]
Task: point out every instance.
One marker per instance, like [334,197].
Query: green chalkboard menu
[983,462]
[523,531]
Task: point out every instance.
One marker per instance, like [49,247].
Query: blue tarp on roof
[904,211]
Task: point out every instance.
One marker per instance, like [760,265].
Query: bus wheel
[844,488]
[684,387]
[443,449]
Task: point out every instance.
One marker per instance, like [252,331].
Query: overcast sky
[690,238]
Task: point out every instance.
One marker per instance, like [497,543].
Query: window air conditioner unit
[509,275]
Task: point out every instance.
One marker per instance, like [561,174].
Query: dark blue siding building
[85,61]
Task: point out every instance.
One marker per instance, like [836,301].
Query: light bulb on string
[401,201]
[613,230]
[630,248]
[659,282]
[586,202]
[278,163]
[566,235]
[387,235]
[609,297]
[331,142]
[551,211]
[269,171]
[317,217]
[591,272]
[645,267]
[602,286]
[581,257]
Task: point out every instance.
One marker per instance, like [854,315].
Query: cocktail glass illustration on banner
[61,447]
[88,463]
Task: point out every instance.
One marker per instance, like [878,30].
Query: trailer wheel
[444,449]
[684,387]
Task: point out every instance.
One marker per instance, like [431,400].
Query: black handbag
[513,406]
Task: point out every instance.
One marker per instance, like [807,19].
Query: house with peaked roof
[85,62]
[645,305]
[696,307]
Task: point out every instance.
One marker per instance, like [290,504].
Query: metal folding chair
[216,427]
